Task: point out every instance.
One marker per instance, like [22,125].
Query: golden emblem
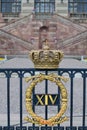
[46,59]
[57,119]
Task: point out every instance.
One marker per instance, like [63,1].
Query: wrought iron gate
[77,99]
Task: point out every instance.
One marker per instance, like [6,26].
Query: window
[78,8]
[10,6]
[44,6]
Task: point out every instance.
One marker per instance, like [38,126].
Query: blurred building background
[12,9]
[26,24]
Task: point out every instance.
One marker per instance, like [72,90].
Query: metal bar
[8,100]
[84,100]
[46,92]
[59,98]
[32,69]
[71,102]
[21,108]
[33,100]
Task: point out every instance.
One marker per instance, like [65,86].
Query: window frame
[77,8]
[44,6]
[15,6]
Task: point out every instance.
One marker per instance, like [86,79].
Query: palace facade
[26,24]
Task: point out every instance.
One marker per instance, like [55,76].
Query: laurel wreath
[57,119]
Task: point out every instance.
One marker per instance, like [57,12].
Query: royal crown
[46,58]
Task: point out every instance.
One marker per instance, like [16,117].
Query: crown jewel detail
[46,58]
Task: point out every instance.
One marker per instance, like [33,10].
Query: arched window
[10,6]
[43,35]
[44,6]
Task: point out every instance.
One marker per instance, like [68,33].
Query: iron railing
[12,83]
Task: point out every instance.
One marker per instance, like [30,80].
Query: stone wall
[61,7]
[30,33]
[2,23]
[27,7]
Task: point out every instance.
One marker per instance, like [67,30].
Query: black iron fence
[12,99]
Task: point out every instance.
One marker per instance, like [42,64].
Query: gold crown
[46,58]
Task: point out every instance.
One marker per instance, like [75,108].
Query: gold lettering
[46,99]
[39,99]
[52,100]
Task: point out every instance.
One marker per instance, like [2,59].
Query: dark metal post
[84,98]
[59,98]
[8,99]
[33,73]
[71,100]
[46,92]
[21,99]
